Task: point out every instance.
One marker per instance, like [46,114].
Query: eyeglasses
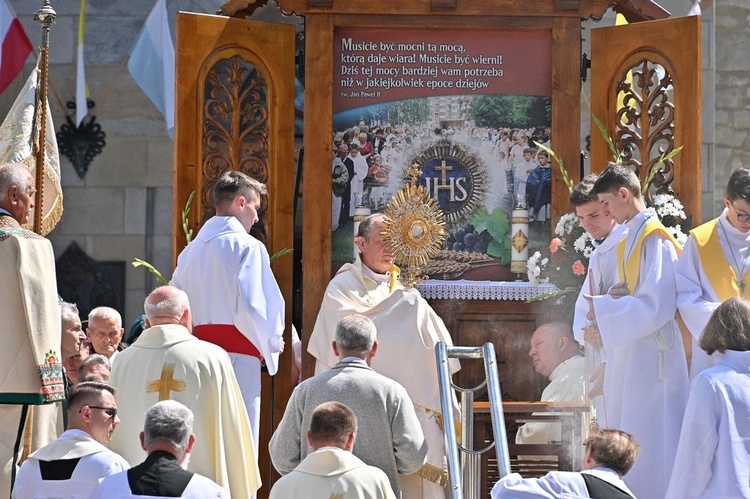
[109,411]
[742,217]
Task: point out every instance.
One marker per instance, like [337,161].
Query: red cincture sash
[228,337]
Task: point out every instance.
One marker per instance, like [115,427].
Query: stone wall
[732,112]
[122,208]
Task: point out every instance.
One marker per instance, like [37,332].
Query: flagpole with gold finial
[46,16]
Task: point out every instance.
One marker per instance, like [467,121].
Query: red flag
[15,45]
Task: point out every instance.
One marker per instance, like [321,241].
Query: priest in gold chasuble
[168,362]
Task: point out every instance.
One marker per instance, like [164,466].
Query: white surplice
[408,330]
[567,383]
[199,375]
[713,458]
[227,277]
[696,299]
[646,380]
[603,270]
[96,462]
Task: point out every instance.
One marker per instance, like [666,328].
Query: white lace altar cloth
[482,290]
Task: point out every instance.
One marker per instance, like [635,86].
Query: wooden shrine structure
[235,110]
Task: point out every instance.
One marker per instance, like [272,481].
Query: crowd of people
[176,413]
[366,157]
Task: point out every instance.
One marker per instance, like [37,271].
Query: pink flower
[555,244]
[578,268]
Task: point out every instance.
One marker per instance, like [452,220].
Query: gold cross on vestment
[166,383]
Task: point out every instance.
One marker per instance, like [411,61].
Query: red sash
[228,337]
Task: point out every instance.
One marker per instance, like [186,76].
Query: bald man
[556,355]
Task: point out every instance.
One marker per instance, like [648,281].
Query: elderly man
[227,276]
[557,356]
[609,456]
[72,465]
[408,331]
[167,362]
[168,439]
[74,347]
[30,361]
[331,470]
[95,367]
[104,332]
[382,407]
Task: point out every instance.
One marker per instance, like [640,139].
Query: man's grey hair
[105,313]
[365,226]
[89,363]
[174,306]
[355,334]
[13,174]
[168,421]
[68,311]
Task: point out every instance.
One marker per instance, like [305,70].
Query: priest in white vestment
[331,470]
[235,300]
[31,371]
[167,362]
[601,276]
[645,379]
[713,457]
[72,465]
[408,330]
[556,355]
[609,456]
[715,263]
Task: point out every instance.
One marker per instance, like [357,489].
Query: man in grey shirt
[389,435]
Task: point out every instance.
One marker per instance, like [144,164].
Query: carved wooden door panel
[646,90]
[234,109]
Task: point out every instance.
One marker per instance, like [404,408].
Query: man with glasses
[714,264]
[72,465]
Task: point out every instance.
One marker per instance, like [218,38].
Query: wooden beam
[316,174]
[566,112]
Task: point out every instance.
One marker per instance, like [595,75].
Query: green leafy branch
[280,253]
[566,178]
[137,262]
[657,166]
[185,212]
[611,143]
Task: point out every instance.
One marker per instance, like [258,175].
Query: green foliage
[137,262]
[610,142]
[498,226]
[510,110]
[280,253]
[657,166]
[185,212]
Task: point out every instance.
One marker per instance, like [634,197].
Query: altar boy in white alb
[235,300]
[715,263]
[645,379]
[602,275]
